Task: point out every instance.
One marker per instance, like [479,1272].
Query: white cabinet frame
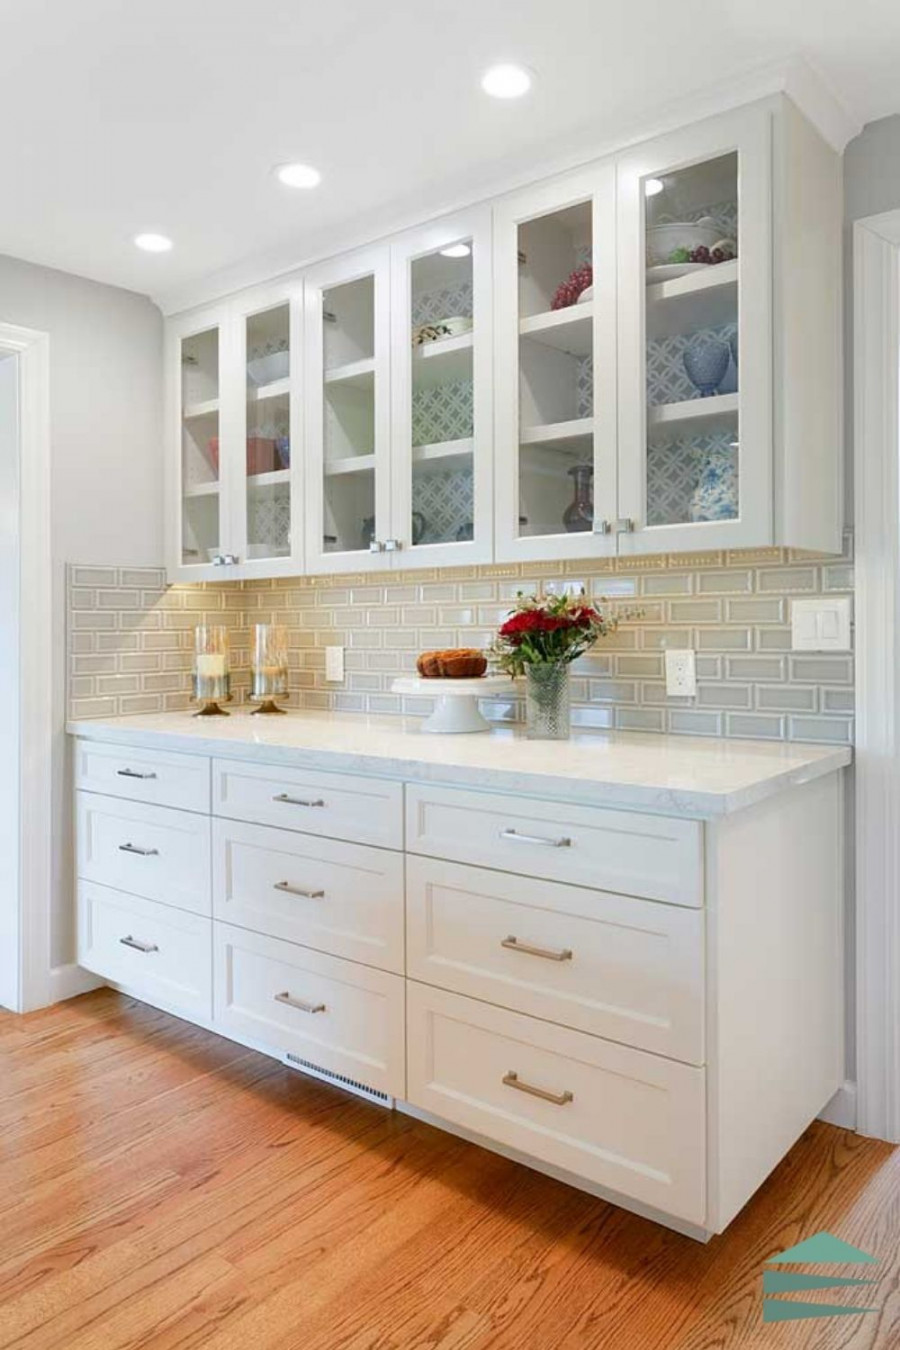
[598,186]
[749,133]
[476,226]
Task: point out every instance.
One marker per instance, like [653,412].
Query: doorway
[10,888]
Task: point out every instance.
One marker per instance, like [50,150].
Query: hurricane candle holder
[269,676]
[212,670]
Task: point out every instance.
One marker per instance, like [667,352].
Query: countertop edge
[663,800]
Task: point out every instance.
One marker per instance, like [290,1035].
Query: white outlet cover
[334,663]
[681,672]
[821,624]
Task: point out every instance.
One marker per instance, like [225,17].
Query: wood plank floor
[163,1188]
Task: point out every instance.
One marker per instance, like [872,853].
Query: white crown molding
[794,78]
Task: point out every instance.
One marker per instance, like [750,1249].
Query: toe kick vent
[339,1080]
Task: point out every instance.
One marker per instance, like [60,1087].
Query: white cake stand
[456,709]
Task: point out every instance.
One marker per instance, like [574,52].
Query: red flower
[534,621]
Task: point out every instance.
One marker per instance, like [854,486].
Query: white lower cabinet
[617,1117]
[611,965]
[155,951]
[333,1015]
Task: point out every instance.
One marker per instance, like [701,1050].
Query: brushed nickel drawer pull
[297,801]
[138,946]
[298,1003]
[133,773]
[562,842]
[513,944]
[513,1080]
[298,890]
[141,852]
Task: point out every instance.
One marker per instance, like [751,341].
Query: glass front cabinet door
[442,404]
[555,368]
[695,344]
[347,400]
[268,517]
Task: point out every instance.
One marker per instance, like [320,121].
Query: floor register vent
[340,1080]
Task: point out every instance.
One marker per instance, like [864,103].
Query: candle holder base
[210,708]
[266,708]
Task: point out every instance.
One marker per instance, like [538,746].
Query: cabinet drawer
[156,952]
[630,970]
[146,850]
[346,899]
[617,1117]
[155,776]
[334,1014]
[658,857]
[337,805]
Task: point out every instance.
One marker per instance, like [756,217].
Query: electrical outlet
[334,663]
[681,672]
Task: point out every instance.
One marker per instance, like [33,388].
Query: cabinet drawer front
[155,776]
[156,952]
[617,1117]
[151,851]
[658,857]
[337,1015]
[337,805]
[630,970]
[345,899]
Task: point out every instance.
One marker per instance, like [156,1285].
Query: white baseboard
[69,981]
[841,1110]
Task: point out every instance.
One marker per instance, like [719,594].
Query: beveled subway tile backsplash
[131,637]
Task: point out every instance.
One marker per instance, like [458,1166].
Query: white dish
[586,294]
[267,369]
[456,710]
[669,271]
[663,239]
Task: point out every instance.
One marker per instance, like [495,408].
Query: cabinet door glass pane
[692,357]
[349,416]
[200,515]
[443,422]
[268,434]
[556,384]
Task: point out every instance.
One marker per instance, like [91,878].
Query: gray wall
[106,468]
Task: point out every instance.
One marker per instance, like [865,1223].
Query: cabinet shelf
[202,489]
[556,432]
[695,415]
[443,361]
[350,464]
[266,480]
[445,455]
[261,392]
[356,374]
[207,408]
[704,299]
[569,330]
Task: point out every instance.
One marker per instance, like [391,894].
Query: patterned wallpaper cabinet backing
[130,639]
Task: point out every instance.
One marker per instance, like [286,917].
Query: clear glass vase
[547,701]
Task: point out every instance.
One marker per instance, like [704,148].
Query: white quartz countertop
[674,775]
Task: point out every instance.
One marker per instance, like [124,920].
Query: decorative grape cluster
[568,291]
[721,253]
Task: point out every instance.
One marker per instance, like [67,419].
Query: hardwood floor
[164,1188]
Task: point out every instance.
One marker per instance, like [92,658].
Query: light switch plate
[821,624]
[334,663]
[681,672]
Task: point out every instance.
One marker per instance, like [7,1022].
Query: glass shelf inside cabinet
[268,447]
[200,514]
[348,336]
[443,408]
[556,377]
[692,358]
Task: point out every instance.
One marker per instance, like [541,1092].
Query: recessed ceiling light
[298,175]
[653,187]
[456,251]
[153,243]
[506,81]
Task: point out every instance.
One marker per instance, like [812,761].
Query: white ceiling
[121,117]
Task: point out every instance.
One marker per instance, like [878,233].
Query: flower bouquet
[539,640]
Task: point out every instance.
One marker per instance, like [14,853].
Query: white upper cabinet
[442,400]
[555,368]
[348,451]
[641,356]
[695,338]
[234,409]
